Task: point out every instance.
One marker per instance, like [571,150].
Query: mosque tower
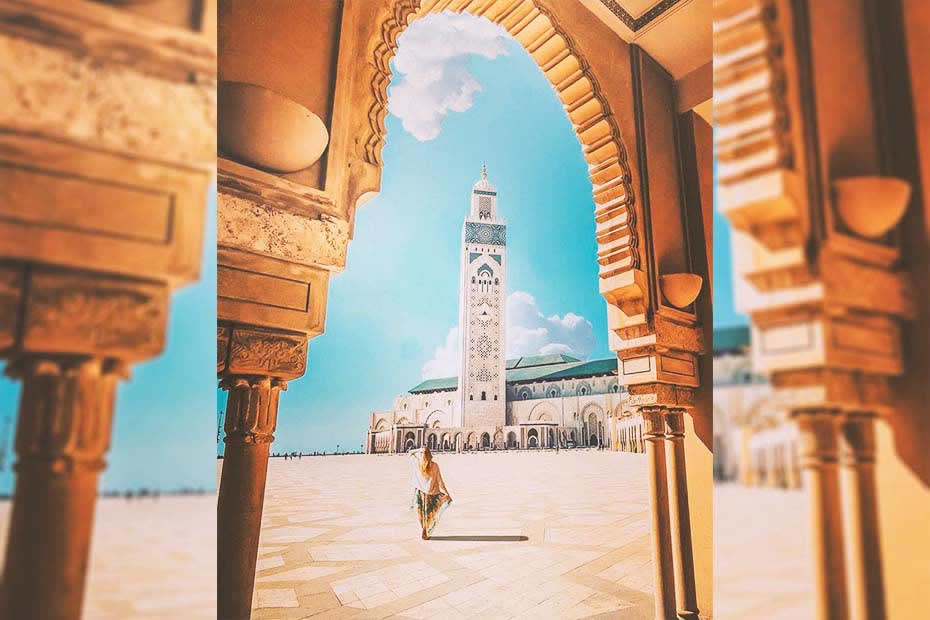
[482,301]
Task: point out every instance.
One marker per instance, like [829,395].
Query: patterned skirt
[429,507]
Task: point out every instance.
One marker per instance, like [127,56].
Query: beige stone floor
[339,541]
[762,561]
[150,558]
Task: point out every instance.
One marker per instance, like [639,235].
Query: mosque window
[471,397]
[484,395]
[583,391]
[616,388]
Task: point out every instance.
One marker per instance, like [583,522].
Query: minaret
[481,310]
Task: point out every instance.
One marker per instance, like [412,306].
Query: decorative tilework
[644,19]
[496,257]
[491,234]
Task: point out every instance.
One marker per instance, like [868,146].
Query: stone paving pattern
[340,541]
[150,558]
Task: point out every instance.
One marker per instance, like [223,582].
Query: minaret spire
[484,172]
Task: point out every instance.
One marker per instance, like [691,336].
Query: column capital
[653,422]
[246,350]
[675,423]
[66,410]
[818,435]
[252,408]
[858,438]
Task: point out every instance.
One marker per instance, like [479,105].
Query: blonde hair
[425,459]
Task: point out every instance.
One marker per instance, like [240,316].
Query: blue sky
[391,313]
[165,413]
[397,299]
[725,313]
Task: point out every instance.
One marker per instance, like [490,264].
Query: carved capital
[858,438]
[254,351]
[60,311]
[675,424]
[252,408]
[819,436]
[653,422]
[66,410]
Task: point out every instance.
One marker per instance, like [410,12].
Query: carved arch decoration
[576,87]
[544,412]
[592,408]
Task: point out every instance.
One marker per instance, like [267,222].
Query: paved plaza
[150,558]
[528,535]
[763,566]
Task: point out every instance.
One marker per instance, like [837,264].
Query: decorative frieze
[266,352]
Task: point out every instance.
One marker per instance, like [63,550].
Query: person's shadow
[481,538]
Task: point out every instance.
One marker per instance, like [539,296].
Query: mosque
[540,401]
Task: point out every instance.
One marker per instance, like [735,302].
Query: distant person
[430,494]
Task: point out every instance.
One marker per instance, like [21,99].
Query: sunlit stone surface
[763,565]
[338,537]
[150,558]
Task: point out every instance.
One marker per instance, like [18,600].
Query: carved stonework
[261,228]
[74,312]
[56,92]
[265,352]
[222,347]
[66,410]
[11,291]
[252,408]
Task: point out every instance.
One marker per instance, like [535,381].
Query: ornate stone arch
[403,421]
[544,412]
[592,409]
[557,56]
[381,425]
[434,419]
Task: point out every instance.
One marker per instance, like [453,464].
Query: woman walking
[430,494]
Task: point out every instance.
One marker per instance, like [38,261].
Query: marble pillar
[659,512]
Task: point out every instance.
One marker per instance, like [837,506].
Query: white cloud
[445,362]
[529,332]
[432,65]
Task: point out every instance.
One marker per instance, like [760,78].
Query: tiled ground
[763,566]
[339,539]
[150,558]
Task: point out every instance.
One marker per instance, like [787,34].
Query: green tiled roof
[587,369]
[731,338]
[433,385]
[533,369]
[540,360]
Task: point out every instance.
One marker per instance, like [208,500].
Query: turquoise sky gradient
[398,297]
[164,425]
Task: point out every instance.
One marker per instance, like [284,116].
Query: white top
[431,482]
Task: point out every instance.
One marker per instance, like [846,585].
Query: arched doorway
[551,438]
[592,441]
[532,438]
[410,442]
[485,441]
[432,441]
[512,440]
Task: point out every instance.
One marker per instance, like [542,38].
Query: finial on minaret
[484,172]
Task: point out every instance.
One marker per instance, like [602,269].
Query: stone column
[680,515]
[63,433]
[857,458]
[256,365]
[659,511]
[251,416]
[819,457]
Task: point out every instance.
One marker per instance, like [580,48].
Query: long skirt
[429,507]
